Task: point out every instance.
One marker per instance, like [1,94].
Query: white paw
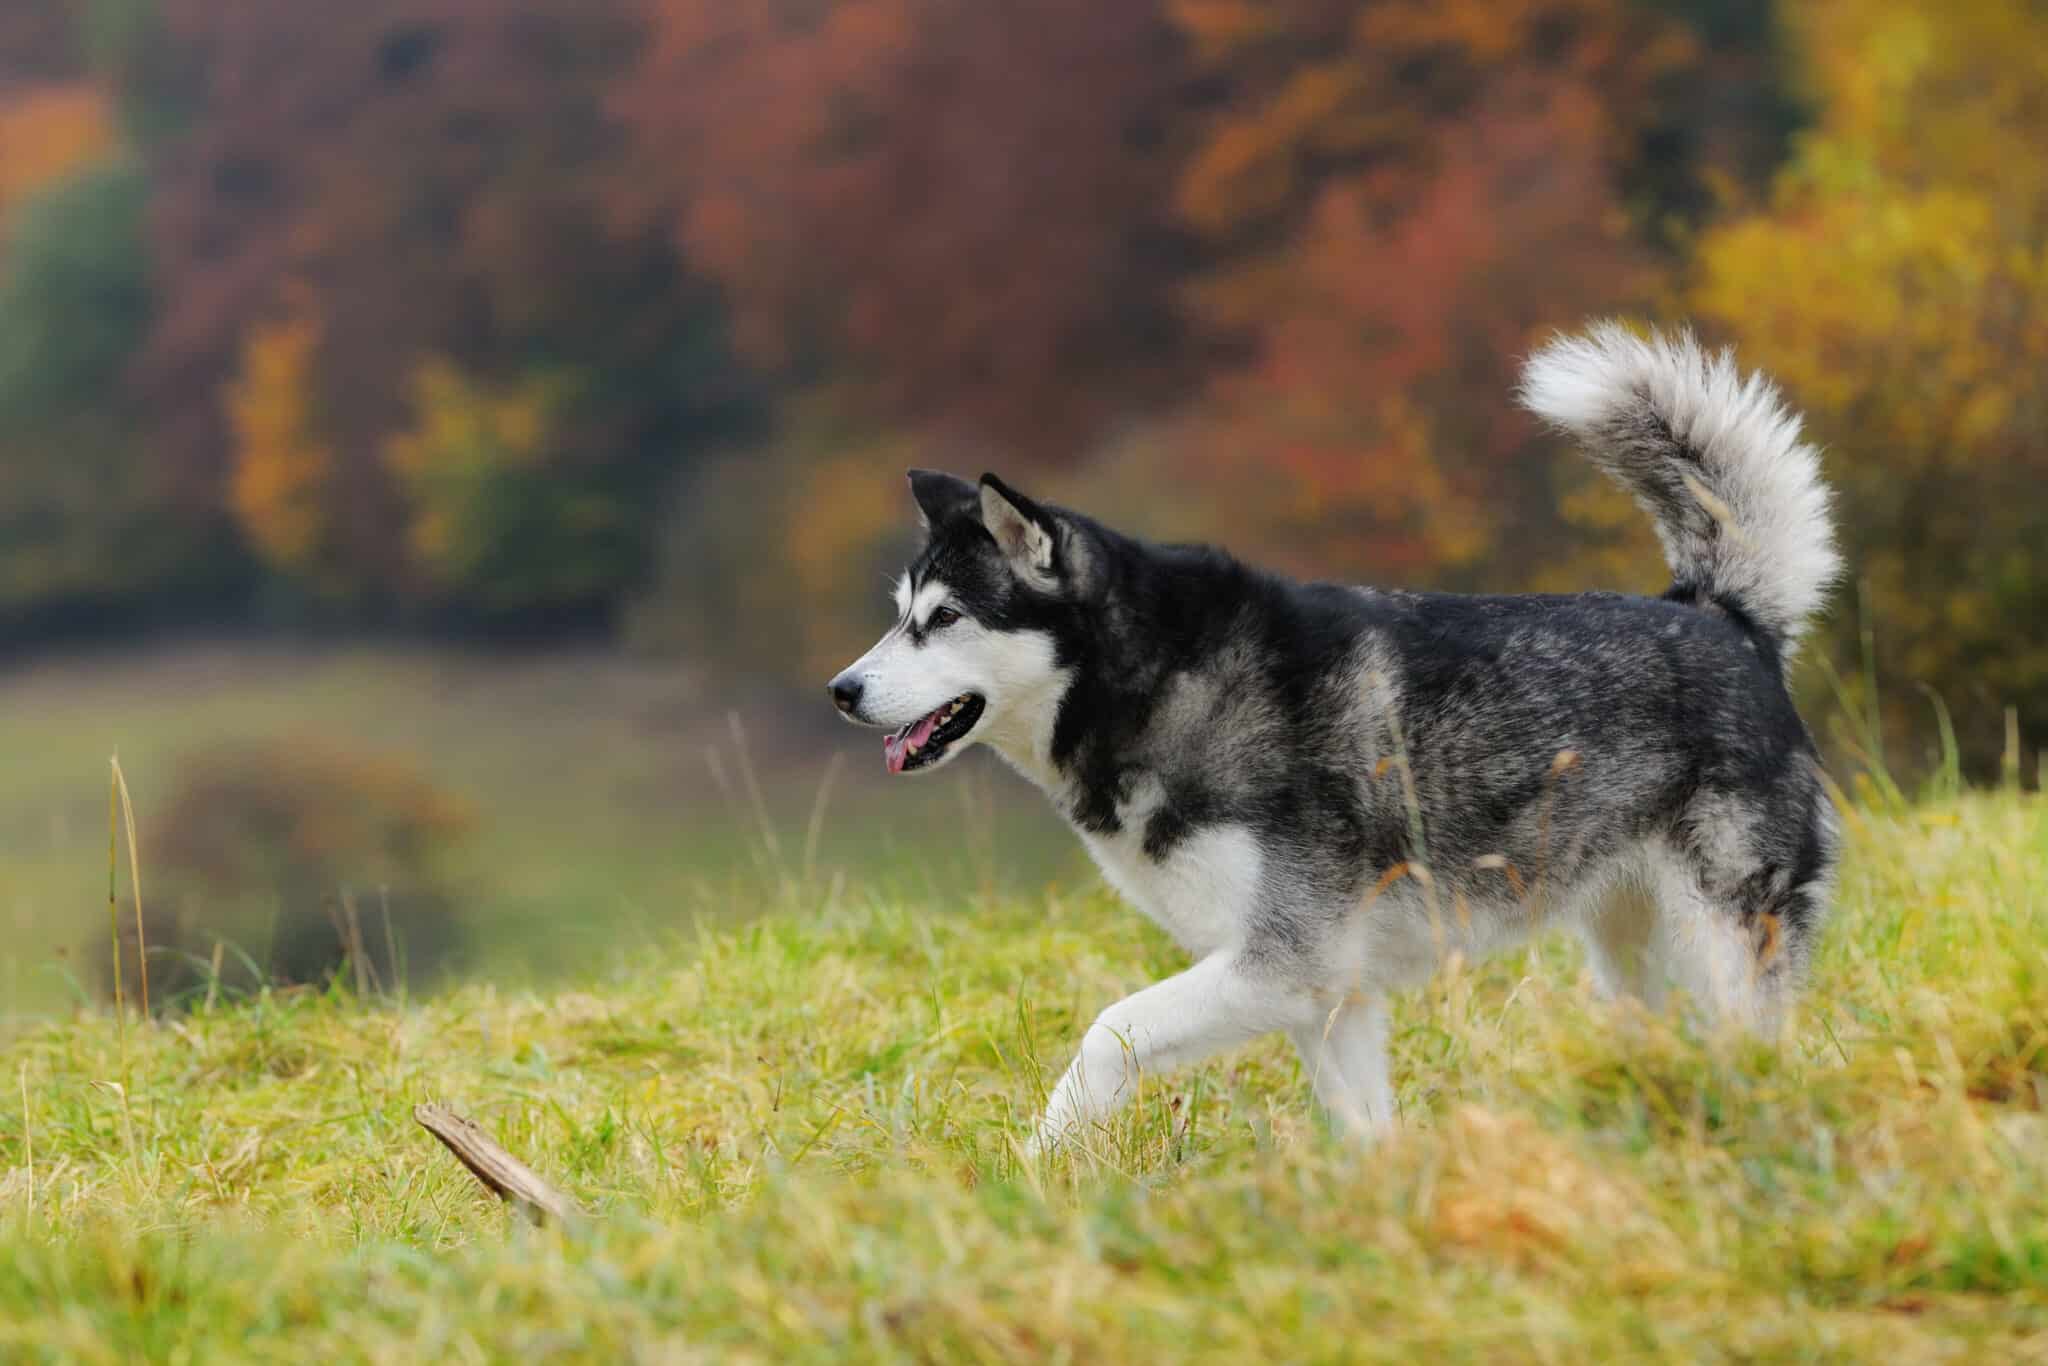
[1043,1143]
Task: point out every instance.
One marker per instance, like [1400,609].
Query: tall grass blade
[28,1152]
[114,912]
[2009,760]
[1946,783]
[135,882]
[744,755]
[815,831]
[391,957]
[1862,741]
[1867,634]
[352,944]
[213,977]
[756,855]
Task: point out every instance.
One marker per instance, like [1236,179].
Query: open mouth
[924,741]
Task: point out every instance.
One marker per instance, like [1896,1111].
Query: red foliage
[965,200]
[1403,198]
[424,170]
[1385,350]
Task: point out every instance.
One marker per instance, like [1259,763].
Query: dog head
[974,652]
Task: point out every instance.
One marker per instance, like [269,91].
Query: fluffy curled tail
[1714,457]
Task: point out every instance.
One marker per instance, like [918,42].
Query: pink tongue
[896,748]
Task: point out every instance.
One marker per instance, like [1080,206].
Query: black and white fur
[1321,792]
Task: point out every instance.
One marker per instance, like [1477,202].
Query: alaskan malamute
[1323,791]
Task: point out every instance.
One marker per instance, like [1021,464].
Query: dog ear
[1026,533]
[940,497]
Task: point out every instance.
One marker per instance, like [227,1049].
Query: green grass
[799,1142]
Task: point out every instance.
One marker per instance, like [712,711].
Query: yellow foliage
[1897,283]
[1220,27]
[1928,91]
[45,134]
[487,508]
[848,504]
[283,464]
[801,538]
[1249,167]
[1611,544]
[458,424]
[850,501]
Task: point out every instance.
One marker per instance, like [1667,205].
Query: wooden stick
[505,1175]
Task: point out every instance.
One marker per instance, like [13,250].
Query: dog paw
[1043,1144]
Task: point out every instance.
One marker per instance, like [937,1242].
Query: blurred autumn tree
[1378,186]
[1897,283]
[425,327]
[962,205]
[489,312]
[46,132]
[804,533]
[38,43]
[492,522]
[74,512]
[284,468]
[53,125]
[85,526]
[89,528]
[1283,252]
[412,188]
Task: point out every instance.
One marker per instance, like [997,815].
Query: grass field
[798,1141]
[599,823]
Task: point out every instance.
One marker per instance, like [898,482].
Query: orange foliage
[46,133]
[283,462]
[1322,88]
[1404,197]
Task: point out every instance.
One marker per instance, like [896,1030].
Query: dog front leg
[1214,1005]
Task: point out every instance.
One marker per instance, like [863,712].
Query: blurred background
[445,444]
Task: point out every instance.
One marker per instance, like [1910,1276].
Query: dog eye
[944,616]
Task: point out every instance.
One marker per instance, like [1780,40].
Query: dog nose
[845,693]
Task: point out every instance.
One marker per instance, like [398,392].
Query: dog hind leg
[1737,943]
[1344,1053]
[1627,944]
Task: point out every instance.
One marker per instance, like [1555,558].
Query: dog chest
[1201,892]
